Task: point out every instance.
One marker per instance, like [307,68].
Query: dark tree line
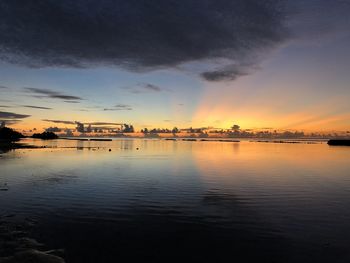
[159,130]
[8,134]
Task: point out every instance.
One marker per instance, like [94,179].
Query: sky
[273,64]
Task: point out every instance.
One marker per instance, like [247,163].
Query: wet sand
[16,245]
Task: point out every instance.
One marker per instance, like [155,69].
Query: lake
[175,201]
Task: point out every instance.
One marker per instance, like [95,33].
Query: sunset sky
[260,64]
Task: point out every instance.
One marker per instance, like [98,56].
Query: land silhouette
[339,142]
[10,135]
[45,136]
[9,139]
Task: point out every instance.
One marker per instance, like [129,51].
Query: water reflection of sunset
[247,159]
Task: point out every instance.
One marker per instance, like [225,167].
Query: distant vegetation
[45,136]
[235,131]
[10,135]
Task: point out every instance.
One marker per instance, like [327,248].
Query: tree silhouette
[236,127]
[8,134]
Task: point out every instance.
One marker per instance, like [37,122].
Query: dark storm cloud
[46,93]
[11,115]
[138,35]
[36,107]
[319,20]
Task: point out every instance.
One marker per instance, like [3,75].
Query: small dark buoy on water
[4,187]
[110,150]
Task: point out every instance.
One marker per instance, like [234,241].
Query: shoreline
[6,146]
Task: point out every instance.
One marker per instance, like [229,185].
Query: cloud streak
[119,107]
[11,115]
[59,121]
[36,107]
[71,101]
[144,88]
[103,123]
[86,123]
[229,73]
[53,129]
[152,87]
[9,122]
[46,93]
[138,35]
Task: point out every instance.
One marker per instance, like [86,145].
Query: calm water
[183,201]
